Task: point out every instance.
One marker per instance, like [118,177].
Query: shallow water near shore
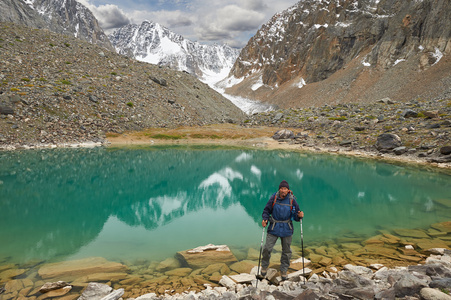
[146,204]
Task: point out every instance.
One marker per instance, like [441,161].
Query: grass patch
[161,136]
[112,134]
[205,136]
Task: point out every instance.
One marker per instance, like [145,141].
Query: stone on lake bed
[426,244]
[297,264]
[443,226]
[221,268]
[168,264]
[244,266]
[104,277]
[11,273]
[415,233]
[204,256]
[57,293]
[50,286]
[180,272]
[443,202]
[82,267]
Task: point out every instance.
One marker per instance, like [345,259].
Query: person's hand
[300,214]
[264,223]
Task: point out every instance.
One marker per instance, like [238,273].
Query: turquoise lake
[149,203]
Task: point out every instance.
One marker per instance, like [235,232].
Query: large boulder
[204,256]
[445,150]
[283,134]
[387,141]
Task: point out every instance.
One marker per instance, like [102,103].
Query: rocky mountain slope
[56,89]
[61,16]
[339,51]
[153,43]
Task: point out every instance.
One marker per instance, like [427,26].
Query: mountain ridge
[60,16]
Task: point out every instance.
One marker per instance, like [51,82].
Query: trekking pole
[302,246]
[260,256]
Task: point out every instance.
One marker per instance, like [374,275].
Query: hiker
[280,210]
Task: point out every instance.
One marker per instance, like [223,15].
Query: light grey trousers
[286,251]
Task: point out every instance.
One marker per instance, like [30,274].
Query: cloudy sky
[206,21]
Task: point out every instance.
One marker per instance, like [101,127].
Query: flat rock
[297,263]
[168,264]
[180,272]
[105,277]
[415,233]
[202,257]
[299,273]
[244,266]
[433,294]
[227,282]
[443,202]
[11,273]
[350,246]
[253,254]
[243,278]
[426,244]
[56,293]
[50,286]
[221,268]
[80,267]
[443,226]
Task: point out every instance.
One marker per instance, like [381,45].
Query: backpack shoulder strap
[275,199]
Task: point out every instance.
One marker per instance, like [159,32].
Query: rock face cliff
[319,52]
[61,16]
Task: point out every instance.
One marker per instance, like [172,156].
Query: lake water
[149,203]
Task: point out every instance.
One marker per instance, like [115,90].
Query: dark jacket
[282,212]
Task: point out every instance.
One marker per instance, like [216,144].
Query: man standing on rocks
[280,210]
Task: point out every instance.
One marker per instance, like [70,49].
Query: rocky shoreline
[431,281]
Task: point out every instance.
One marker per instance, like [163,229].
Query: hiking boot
[262,274]
[284,275]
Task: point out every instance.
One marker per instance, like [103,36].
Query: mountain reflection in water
[149,203]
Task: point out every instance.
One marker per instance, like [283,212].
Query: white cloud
[232,22]
[110,16]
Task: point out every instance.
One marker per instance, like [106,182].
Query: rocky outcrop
[323,52]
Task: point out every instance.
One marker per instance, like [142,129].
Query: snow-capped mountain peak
[153,43]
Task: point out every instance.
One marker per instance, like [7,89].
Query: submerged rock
[82,267]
